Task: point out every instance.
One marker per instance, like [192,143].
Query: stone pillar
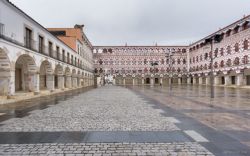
[227,80]
[68,81]
[152,82]
[11,83]
[133,81]
[200,80]
[74,82]
[188,80]
[240,80]
[208,80]
[142,81]
[179,81]
[169,81]
[124,81]
[60,81]
[50,82]
[194,80]
[216,80]
[36,83]
[161,81]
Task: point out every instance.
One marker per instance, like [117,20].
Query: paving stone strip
[104,109]
[107,149]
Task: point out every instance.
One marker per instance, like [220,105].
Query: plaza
[61,94]
[147,121]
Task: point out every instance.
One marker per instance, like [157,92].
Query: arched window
[228,49]
[229,62]
[222,51]
[205,67]
[179,61]
[184,61]
[236,61]
[216,52]
[104,51]
[206,56]
[222,64]
[245,45]
[216,65]
[236,47]
[246,25]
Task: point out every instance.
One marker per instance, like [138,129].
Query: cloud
[138,22]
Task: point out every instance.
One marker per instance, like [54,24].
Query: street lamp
[214,39]
[169,57]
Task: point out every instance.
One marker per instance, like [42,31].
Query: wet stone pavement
[120,121]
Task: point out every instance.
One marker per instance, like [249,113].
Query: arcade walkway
[122,121]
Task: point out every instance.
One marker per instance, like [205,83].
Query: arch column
[240,80]
[74,82]
[60,81]
[124,81]
[227,80]
[68,81]
[50,81]
[179,80]
[189,80]
[11,83]
[207,80]
[200,80]
[216,80]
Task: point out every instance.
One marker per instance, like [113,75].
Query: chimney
[78,26]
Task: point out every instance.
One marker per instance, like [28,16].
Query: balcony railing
[44,50]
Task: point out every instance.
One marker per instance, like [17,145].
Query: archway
[46,76]
[7,86]
[26,77]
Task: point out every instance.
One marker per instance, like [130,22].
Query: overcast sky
[138,22]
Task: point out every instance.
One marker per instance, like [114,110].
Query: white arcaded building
[32,59]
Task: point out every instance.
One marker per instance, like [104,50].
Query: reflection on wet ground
[21,109]
[228,112]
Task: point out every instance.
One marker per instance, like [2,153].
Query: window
[246,25]
[57,52]
[28,37]
[68,58]
[41,44]
[236,47]
[245,59]
[1,29]
[216,52]
[50,49]
[63,55]
[72,59]
[245,45]
[228,50]
[222,51]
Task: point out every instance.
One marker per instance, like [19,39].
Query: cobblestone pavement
[104,109]
[111,149]
[106,121]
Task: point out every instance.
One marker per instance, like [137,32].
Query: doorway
[147,80]
[18,79]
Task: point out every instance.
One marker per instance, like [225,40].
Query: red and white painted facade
[131,65]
